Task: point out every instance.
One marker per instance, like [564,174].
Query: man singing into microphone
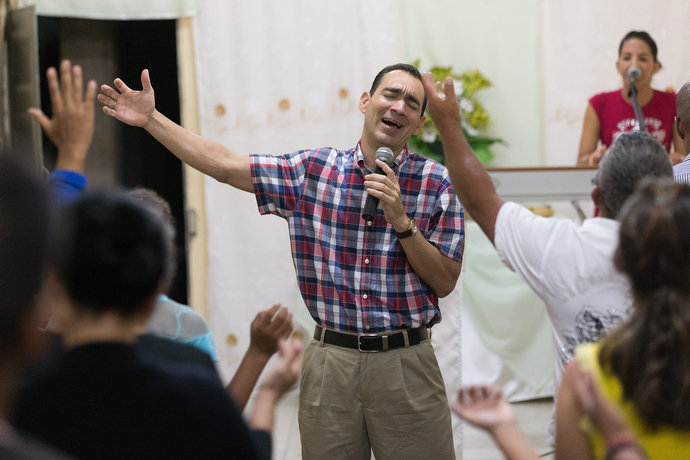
[370,379]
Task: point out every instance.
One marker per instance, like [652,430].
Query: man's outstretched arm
[468,176]
[138,108]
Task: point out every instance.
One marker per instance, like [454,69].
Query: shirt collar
[399,160]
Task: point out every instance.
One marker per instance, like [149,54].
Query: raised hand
[484,407]
[276,384]
[268,327]
[71,128]
[595,157]
[132,107]
[443,107]
[286,372]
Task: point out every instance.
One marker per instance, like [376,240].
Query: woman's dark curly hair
[650,354]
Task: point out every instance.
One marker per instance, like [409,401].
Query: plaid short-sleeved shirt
[355,277]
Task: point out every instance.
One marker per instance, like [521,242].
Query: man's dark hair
[412,70]
[111,252]
[23,233]
[632,156]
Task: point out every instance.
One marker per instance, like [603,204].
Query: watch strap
[411,230]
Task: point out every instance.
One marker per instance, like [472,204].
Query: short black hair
[111,252]
[412,70]
[23,235]
[640,35]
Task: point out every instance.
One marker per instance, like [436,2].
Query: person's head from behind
[651,353]
[111,254]
[638,49]
[393,108]
[23,231]
[152,198]
[683,115]
[633,156]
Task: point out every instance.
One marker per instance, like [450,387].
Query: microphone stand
[632,94]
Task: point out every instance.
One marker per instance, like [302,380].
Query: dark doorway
[122,155]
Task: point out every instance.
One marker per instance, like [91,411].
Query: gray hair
[632,156]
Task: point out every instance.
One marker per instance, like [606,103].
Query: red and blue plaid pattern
[355,277]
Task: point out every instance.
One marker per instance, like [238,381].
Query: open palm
[483,406]
[132,107]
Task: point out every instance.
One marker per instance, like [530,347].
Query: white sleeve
[523,241]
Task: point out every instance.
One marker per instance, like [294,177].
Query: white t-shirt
[571,268]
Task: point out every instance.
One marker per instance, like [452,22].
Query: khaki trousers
[393,402]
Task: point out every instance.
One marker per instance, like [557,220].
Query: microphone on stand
[371,205]
[634,74]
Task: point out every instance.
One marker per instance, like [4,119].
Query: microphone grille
[634,73]
[385,154]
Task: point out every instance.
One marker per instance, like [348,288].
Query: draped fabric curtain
[275,77]
[115,9]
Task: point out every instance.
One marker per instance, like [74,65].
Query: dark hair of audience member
[154,199]
[23,232]
[112,252]
[650,354]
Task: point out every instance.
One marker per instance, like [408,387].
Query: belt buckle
[359,342]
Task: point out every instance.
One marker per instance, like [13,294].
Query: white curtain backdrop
[275,77]
[115,9]
[580,45]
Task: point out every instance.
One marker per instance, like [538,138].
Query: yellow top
[666,443]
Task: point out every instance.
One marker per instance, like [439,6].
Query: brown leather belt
[372,343]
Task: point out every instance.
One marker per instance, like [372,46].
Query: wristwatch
[411,230]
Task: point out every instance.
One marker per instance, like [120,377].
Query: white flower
[429,134]
[466,105]
[470,130]
[457,86]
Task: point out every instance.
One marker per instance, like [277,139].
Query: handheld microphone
[634,74]
[386,155]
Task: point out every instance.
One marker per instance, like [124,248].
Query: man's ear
[598,200]
[363,99]
[420,124]
[679,128]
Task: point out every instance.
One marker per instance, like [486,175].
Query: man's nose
[399,105]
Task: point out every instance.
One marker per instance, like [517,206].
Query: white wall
[501,38]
